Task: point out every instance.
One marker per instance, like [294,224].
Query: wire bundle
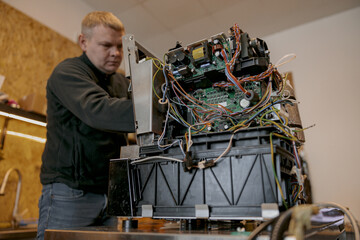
[197,115]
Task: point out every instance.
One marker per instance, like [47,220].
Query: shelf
[11,112]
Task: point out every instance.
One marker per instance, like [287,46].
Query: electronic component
[219,82]
[226,116]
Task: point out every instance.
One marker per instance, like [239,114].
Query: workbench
[147,229]
[152,229]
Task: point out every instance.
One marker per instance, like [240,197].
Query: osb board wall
[25,155]
[29,52]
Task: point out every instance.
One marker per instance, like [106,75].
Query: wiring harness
[225,84]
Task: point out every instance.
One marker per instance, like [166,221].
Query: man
[88,113]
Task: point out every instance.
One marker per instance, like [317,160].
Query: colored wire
[347,213]
[297,159]
[273,166]
[156,158]
[226,150]
[281,61]
[164,147]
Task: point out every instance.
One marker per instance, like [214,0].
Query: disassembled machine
[218,133]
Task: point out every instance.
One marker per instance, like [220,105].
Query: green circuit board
[214,63]
[228,98]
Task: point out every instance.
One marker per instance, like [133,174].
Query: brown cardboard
[34,103]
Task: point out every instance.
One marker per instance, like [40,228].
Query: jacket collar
[101,76]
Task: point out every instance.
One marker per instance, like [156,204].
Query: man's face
[103,48]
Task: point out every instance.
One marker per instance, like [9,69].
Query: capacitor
[178,58]
[217,50]
[244,103]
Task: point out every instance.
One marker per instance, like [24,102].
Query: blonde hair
[97,18]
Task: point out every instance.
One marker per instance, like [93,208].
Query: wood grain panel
[29,52]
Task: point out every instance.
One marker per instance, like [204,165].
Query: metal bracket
[131,151]
[144,82]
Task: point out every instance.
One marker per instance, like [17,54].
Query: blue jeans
[63,207]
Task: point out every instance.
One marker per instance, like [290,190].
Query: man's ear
[82,42]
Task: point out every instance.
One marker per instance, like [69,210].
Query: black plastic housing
[235,188]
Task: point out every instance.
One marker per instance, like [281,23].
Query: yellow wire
[298,194]
[273,162]
[239,125]
[290,137]
[231,121]
[173,111]
[154,60]
[303,129]
[200,129]
[159,68]
[153,81]
[276,111]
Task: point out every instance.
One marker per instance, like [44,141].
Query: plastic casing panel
[235,188]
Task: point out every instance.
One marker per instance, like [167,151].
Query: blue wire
[262,110]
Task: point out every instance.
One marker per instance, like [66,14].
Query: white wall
[327,82]
[326,74]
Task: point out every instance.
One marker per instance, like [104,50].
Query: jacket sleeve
[75,88]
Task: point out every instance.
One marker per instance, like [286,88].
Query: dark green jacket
[87,114]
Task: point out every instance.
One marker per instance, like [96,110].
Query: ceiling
[158,24]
